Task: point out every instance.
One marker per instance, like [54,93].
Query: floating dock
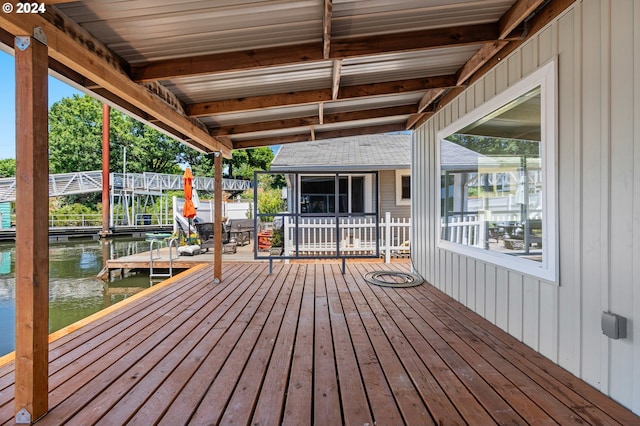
[161,261]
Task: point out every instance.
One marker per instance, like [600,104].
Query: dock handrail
[173,241]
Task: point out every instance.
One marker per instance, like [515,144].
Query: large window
[318,194]
[497,192]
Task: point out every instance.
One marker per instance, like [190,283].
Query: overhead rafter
[418,119]
[326,28]
[336,75]
[75,48]
[413,40]
[314,120]
[491,40]
[322,95]
[486,52]
[542,17]
[516,15]
[340,49]
[520,10]
[370,130]
[230,61]
[428,98]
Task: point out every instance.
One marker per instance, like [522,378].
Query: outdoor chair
[205,232]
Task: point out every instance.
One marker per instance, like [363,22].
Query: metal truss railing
[86,182]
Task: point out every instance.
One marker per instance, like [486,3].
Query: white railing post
[175,211]
[387,237]
[288,240]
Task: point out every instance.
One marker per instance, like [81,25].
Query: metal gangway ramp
[87,182]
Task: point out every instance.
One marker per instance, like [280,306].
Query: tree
[7,167]
[75,140]
[244,162]
[241,165]
[496,146]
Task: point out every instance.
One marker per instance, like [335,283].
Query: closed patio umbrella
[188,209]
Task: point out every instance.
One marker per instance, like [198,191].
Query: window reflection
[492,181]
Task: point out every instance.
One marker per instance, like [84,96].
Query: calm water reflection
[74,290]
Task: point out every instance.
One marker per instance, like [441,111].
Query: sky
[57,91]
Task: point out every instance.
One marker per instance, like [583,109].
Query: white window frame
[399,200]
[547,269]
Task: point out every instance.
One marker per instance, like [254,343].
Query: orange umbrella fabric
[188,210]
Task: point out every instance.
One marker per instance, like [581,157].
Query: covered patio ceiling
[233,74]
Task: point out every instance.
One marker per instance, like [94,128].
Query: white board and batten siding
[597,47]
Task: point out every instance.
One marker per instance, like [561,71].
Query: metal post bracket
[23,42]
[23,417]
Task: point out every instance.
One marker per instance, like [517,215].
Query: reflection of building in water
[5,262]
[5,215]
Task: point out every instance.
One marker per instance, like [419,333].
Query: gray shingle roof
[456,157]
[371,152]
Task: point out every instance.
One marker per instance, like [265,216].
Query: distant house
[318,161]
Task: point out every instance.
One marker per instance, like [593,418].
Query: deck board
[303,345]
[391,400]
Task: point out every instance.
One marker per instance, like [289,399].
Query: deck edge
[5,359]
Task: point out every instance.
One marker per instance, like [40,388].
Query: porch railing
[465,228]
[356,236]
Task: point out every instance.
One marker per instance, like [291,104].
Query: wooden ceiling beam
[515,16]
[428,98]
[370,130]
[322,95]
[520,10]
[265,126]
[78,50]
[339,49]
[413,40]
[395,87]
[335,80]
[326,28]
[542,17]
[258,102]
[230,61]
[314,120]
[419,119]
[486,52]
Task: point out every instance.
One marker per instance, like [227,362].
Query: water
[74,290]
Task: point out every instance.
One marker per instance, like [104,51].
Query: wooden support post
[32,232]
[106,125]
[217,209]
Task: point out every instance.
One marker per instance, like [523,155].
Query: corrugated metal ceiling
[237,63]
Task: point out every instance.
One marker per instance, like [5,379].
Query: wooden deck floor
[303,345]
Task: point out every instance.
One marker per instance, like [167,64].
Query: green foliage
[241,165]
[244,162]
[75,140]
[278,181]
[75,215]
[497,146]
[270,201]
[75,144]
[277,239]
[7,167]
